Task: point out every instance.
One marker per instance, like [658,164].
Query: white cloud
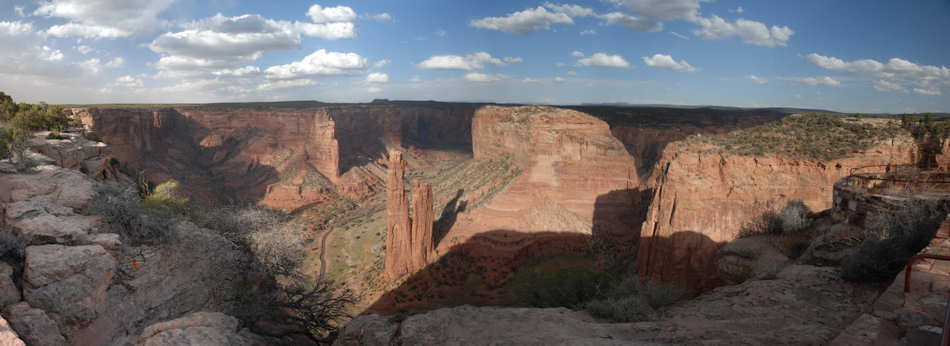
[83,49]
[103,18]
[588,32]
[674,33]
[667,62]
[570,10]
[239,72]
[380,64]
[524,22]
[577,54]
[737,10]
[826,80]
[50,54]
[92,65]
[374,89]
[19,11]
[558,80]
[377,78]
[129,82]
[662,9]
[929,91]
[885,86]
[415,79]
[284,84]
[25,53]
[484,78]
[530,80]
[571,73]
[751,32]
[115,62]
[896,75]
[331,14]
[757,79]
[320,63]
[469,62]
[513,60]
[383,17]
[633,23]
[327,31]
[604,60]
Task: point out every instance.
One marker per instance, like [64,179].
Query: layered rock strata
[409,242]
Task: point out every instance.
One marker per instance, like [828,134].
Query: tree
[7,107]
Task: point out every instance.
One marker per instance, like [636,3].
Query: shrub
[566,287]
[92,136]
[12,247]
[120,206]
[795,217]
[55,135]
[768,223]
[634,299]
[891,239]
[165,199]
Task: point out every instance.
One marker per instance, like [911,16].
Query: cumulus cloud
[484,78]
[469,62]
[320,63]
[577,54]
[662,9]
[752,32]
[570,10]
[103,18]
[25,53]
[667,62]
[604,60]
[513,60]
[826,80]
[377,78]
[129,82]
[633,23]
[381,64]
[756,79]
[524,22]
[737,10]
[331,14]
[588,32]
[239,72]
[896,75]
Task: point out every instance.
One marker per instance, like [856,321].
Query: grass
[808,136]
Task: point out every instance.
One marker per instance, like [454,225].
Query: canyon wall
[703,196]
[572,169]
[281,157]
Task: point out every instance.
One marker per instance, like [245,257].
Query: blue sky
[866,56]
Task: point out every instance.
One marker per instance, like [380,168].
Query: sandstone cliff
[409,242]
[703,195]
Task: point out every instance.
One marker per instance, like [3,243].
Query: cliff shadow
[475,272]
[685,259]
[615,227]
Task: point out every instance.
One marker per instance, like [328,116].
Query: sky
[851,56]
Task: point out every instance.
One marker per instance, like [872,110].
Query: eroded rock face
[51,184]
[33,325]
[702,197]
[409,242]
[9,293]
[199,328]
[76,153]
[69,282]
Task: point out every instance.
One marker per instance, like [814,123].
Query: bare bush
[795,217]
[120,206]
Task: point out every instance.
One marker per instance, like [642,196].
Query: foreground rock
[8,337]
[34,325]
[200,328]
[802,305]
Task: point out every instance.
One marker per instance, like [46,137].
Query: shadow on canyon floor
[475,271]
[449,216]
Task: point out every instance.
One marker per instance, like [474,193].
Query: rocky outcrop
[34,325]
[200,328]
[9,293]
[73,151]
[409,242]
[68,282]
[802,305]
[8,336]
[704,195]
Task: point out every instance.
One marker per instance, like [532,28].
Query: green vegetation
[809,136]
[120,206]
[891,238]
[165,199]
[18,121]
[634,299]
[569,287]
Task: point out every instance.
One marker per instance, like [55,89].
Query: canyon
[425,205]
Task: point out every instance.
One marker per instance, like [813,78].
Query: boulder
[69,282]
[51,184]
[199,328]
[830,247]
[8,336]
[9,293]
[34,326]
[746,258]
[51,229]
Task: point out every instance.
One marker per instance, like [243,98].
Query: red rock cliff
[409,242]
[702,197]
